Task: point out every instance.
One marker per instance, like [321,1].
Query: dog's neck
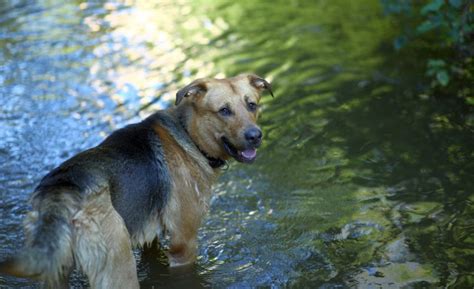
[214,163]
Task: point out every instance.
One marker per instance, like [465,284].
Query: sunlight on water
[361,181]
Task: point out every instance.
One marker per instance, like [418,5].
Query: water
[364,180]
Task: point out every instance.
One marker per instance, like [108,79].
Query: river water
[364,180]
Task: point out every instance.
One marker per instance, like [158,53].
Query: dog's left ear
[194,89]
[260,83]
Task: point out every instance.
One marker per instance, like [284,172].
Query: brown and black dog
[146,178]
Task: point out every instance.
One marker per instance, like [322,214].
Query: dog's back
[127,170]
[151,176]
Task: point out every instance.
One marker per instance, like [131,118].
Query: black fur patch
[130,162]
[139,177]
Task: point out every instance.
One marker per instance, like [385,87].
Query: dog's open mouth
[246,156]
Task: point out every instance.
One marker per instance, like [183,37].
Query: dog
[144,179]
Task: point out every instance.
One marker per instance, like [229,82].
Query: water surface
[364,180]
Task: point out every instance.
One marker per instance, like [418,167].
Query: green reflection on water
[359,167]
[352,141]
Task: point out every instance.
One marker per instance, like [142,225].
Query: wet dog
[146,178]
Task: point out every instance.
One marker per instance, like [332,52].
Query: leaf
[442,77]
[436,63]
[468,28]
[426,26]
[435,66]
[470,100]
[400,42]
[433,6]
[455,3]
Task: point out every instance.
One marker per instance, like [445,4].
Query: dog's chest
[191,179]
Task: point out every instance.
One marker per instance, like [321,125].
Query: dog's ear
[260,83]
[194,89]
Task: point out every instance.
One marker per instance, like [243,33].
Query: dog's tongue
[249,153]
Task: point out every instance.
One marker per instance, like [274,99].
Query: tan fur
[103,247]
[95,236]
[189,200]
[192,179]
[206,127]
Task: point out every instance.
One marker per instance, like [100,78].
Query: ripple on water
[357,181]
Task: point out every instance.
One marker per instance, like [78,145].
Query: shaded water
[363,181]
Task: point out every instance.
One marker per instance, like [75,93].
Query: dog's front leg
[183,247]
[183,234]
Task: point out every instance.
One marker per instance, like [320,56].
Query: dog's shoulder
[139,175]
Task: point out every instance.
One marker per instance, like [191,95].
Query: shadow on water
[365,180]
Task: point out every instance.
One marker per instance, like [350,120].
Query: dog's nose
[253,135]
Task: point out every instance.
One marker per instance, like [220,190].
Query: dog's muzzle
[247,155]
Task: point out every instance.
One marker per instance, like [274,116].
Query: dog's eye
[225,111]
[252,106]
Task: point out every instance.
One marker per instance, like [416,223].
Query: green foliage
[446,26]
[437,69]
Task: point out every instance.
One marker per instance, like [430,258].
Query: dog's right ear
[260,83]
[193,89]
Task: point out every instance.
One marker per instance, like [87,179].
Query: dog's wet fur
[144,179]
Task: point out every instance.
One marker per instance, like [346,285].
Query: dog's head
[221,115]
